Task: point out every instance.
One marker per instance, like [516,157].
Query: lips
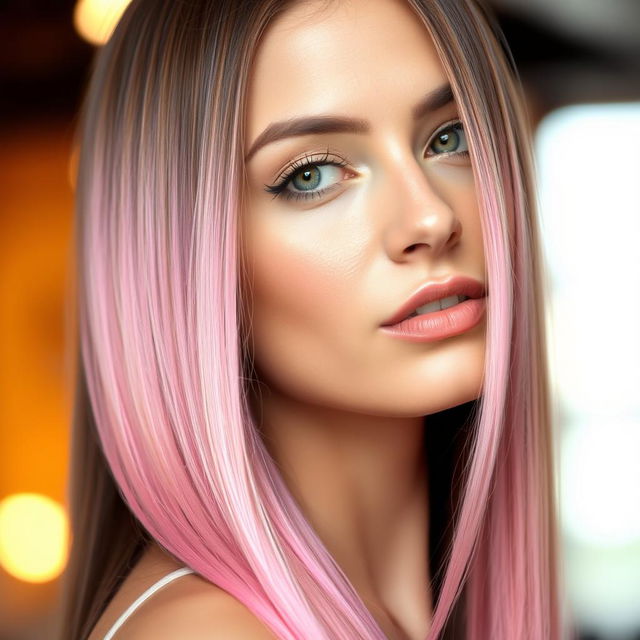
[456,286]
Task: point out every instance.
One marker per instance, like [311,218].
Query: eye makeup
[301,165]
[309,165]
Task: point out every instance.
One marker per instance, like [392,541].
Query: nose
[421,221]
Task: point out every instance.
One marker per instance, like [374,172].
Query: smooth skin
[342,404]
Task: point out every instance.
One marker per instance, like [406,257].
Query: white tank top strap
[145,596]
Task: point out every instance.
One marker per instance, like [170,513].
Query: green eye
[451,139]
[307,179]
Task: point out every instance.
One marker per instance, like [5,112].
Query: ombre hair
[165,446]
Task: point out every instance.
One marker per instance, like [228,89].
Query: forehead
[361,58]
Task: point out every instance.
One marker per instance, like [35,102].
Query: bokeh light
[34,535]
[95,20]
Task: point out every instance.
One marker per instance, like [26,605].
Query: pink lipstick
[440,324]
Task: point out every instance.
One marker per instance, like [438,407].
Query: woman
[266,191]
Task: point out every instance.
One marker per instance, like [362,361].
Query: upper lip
[430,291]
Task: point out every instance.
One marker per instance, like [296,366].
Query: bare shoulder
[189,607]
[193,609]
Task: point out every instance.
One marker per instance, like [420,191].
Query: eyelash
[280,188]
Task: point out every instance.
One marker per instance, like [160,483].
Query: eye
[450,139]
[309,178]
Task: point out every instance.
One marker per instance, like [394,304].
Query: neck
[361,482]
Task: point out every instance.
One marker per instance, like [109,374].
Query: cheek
[298,295]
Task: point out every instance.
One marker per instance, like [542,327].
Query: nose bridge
[412,181]
[420,213]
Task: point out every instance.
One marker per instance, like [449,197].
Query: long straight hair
[165,444]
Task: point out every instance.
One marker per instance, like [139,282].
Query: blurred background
[580,63]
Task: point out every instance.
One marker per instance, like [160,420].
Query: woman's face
[347,218]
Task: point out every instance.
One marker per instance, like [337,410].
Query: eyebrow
[310,125]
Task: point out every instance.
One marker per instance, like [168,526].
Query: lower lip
[438,325]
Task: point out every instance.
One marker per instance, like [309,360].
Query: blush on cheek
[298,304]
[295,291]
[295,273]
